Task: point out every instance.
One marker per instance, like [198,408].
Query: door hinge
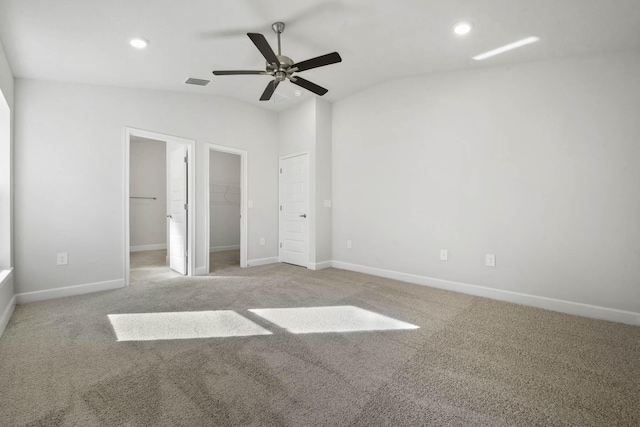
[186,206]
[280,207]
[280,170]
[280,244]
[186,159]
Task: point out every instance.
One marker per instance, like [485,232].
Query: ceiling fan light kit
[282,67]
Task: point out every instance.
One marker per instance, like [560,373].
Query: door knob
[303,216]
[169,216]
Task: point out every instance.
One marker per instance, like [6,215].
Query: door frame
[244,216]
[308,223]
[191,181]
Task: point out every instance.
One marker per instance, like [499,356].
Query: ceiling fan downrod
[278,28]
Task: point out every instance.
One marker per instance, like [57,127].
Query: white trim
[201,271]
[244,214]
[4,276]
[7,310]
[147,247]
[569,307]
[319,265]
[224,248]
[68,291]
[6,314]
[262,261]
[191,190]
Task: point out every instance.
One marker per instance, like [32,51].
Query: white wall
[296,132]
[6,162]
[537,163]
[307,128]
[148,178]
[70,173]
[6,190]
[224,188]
[323,180]
[5,184]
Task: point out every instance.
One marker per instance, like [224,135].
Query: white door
[294,210]
[178,205]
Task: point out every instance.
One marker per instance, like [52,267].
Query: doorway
[226,208]
[158,207]
[294,210]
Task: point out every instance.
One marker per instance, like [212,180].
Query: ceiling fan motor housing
[285,61]
[281,73]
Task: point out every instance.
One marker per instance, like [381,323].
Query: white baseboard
[201,271]
[148,247]
[68,291]
[319,265]
[262,261]
[224,248]
[569,307]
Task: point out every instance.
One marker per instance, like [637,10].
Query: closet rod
[151,198]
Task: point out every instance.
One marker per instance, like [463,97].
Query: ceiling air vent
[197,82]
[279,98]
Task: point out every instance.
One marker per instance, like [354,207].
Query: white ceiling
[86,40]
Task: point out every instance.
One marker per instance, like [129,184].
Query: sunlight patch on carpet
[306,320]
[183,325]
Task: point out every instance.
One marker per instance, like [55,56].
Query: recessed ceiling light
[138,42]
[462,28]
[506,48]
[297,93]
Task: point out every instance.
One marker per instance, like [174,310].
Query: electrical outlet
[490,260]
[348,244]
[262,241]
[444,255]
[63,258]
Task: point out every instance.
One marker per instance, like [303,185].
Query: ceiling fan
[282,67]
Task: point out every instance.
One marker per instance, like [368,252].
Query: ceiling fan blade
[320,61]
[264,48]
[237,72]
[268,92]
[309,85]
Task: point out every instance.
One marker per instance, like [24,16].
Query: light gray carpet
[473,361]
[151,266]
